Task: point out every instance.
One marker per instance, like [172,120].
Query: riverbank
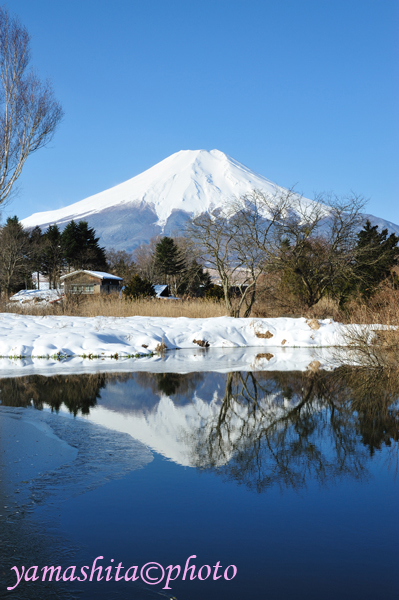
[26,336]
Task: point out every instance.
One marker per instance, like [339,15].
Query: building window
[82,289]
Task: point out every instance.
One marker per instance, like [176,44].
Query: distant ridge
[161,199]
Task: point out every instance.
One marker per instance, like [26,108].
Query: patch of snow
[99,274]
[41,297]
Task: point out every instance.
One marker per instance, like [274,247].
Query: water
[289,476]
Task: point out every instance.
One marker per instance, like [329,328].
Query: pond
[239,484]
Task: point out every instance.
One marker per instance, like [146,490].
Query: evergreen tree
[52,256]
[81,249]
[70,244]
[168,260]
[377,253]
[214,292]
[195,281]
[138,288]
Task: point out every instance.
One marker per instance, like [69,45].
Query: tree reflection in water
[264,429]
[78,393]
[285,428]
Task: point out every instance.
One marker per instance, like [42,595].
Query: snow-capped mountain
[163,198]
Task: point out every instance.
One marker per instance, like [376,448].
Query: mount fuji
[162,199]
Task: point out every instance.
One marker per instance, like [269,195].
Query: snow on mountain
[162,199]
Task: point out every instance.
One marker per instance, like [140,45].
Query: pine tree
[377,254]
[70,244]
[138,288]
[195,280]
[168,261]
[80,247]
[52,257]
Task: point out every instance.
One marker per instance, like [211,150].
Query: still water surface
[291,477]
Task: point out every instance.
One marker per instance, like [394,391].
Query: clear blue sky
[304,92]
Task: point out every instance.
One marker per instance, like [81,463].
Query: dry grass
[382,308]
[377,348]
[273,306]
[112,306]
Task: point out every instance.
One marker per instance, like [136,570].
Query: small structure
[90,282]
[161,291]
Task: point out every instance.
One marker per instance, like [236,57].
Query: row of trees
[286,246]
[23,253]
[278,245]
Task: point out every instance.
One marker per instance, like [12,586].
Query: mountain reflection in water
[258,429]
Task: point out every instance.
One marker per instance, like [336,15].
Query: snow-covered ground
[42,336]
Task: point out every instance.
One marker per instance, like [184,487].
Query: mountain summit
[162,199]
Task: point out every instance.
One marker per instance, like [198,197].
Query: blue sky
[305,92]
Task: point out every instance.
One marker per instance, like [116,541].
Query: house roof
[159,289]
[99,274]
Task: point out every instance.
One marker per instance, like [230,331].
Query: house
[90,282]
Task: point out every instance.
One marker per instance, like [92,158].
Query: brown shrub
[265,336]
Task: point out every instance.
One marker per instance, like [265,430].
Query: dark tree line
[23,253]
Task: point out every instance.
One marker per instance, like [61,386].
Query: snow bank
[42,297]
[42,336]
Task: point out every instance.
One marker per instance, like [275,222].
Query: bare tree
[311,246]
[29,113]
[212,238]
[143,257]
[236,243]
[121,263]
[316,245]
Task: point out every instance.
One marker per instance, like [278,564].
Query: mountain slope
[161,199]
